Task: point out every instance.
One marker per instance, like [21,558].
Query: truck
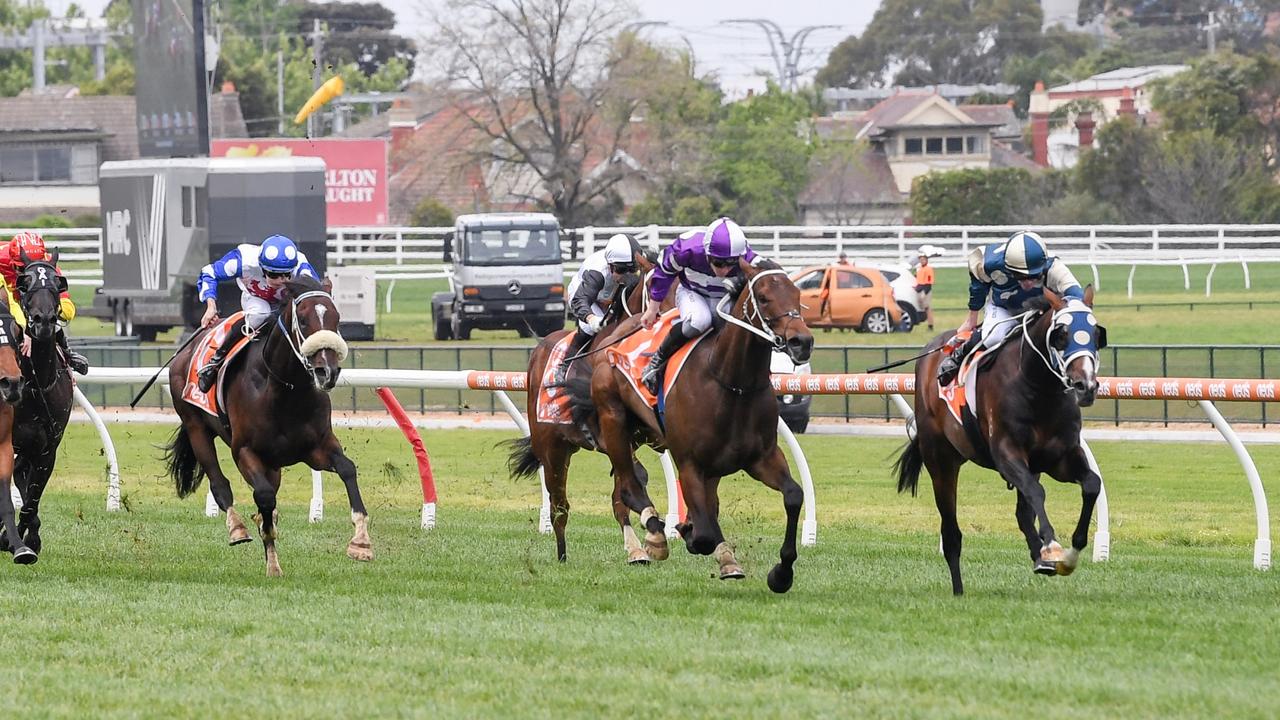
[164,219]
[505,272]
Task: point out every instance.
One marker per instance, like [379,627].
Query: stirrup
[78,362]
[207,376]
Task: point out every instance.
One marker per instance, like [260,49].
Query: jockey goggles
[278,275]
[724,262]
[622,268]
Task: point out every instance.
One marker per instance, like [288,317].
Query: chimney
[1126,104]
[1039,111]
[228,87]
[1085,125]
[403,121]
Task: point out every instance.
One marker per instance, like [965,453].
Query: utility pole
[786,51]
[280,92]
[317,71]
[1211,28]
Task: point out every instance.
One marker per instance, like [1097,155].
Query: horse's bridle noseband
[753,315]
[293,334]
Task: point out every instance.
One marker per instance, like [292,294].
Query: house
[1100,98]
[863,174]
[52,143]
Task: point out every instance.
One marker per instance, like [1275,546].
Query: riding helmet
[724,240]
[26,242]
[618,251]
[1026,255]
[278,254]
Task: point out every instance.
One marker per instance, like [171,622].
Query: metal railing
[1257,361]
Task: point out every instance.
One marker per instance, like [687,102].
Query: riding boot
[656,369]
[75,360]
[950,364]
[208,374]
[576,343]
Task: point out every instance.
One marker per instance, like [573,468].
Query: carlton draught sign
[355,172]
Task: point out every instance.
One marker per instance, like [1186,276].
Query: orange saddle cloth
[553,402]
[205,348]
[963,389]
[632,355]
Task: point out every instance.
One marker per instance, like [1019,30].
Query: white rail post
[1208,280]
[809,528]
[1101,536]
[1132,270]
[1262,545]
[317,497]
[113,467]
[391,287]
[544,515]
[1245,266]
[399,246]
[673,494]
[210,505]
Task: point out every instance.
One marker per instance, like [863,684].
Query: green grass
[149,613]
[1224,318]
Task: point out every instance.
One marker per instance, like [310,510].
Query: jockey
[701,260]
[593,288]
[11,263]
[1005,278]
[260,271]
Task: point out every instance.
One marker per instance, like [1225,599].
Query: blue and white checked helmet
[724,240]
[1026,255]
[278,254]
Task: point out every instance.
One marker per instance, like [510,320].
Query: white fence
[415,253]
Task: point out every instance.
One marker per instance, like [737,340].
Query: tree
[761,157]
[430,212]
[546,82]
[1230,95]
[973,196]
[1113,171]
[918,42]
[359,33]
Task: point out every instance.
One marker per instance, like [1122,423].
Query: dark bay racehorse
[42,414]
[721,415]
[277,414]
[1028,409]
[11,386]
[551,445]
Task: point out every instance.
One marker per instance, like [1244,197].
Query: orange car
[847,296]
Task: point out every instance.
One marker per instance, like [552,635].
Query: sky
[737,54]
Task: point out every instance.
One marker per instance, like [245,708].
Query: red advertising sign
[355,172]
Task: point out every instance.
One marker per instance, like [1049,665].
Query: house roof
[1004,156]
[1002,119]
[111,115]
[862,179]
[907,110]
[1118,79]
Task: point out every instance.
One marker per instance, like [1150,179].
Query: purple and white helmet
[724,240]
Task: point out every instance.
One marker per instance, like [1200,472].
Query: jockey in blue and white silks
[260,271]
[697,263]
[1003,279]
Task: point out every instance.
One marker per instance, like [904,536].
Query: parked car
[793,409]
[847,296]
[903,281]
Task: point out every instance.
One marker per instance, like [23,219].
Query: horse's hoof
[780,578]
[1070,561]
[360,551]
[240,538]
[732,571]
[638,557]
[1044,567]
[24,556]
[656,545]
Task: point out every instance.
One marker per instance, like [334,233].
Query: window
[912,146]
[933,146]
[202,206]
[44,164]
[974,145]
[849,280]
[812,281]
[889,275]
[955,145]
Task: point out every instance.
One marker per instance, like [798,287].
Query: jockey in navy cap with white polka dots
[261,271]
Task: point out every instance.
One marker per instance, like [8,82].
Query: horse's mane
[618,304]
[302,284]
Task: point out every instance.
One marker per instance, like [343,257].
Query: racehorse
[551,445]
[720,415]
[277,414]
[1028,411]
[41,416]
[11,386]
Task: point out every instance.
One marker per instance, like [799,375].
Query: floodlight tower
[786,51]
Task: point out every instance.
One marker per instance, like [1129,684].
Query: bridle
[303,346]
[1056,361]
[43,282]
[753,319]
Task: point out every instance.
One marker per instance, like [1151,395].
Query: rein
[297,341]
[751,316]
[1055,362]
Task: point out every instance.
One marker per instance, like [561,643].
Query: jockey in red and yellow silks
[31,244]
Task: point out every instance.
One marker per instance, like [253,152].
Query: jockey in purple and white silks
[697,263]
[260,271]
[1003,279]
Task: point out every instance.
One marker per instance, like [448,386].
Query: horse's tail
[908,466]
[522,463]
[184,468]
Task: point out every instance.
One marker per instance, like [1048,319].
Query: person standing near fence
[924,287]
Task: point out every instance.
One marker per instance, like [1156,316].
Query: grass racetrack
[148,613]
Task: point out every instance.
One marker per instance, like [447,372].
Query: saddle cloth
[632,356]
[553,402]
[205,348]
[963,390]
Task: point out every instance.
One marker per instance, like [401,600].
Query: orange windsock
[328,91]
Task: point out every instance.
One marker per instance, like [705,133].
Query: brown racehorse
[11,387]
[277,414]
[41,416]
[1028,408]
[551,446]
[721,415]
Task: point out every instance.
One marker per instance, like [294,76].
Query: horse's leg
[943,464]
[22,554]
[615,435]
[265,482]
[1074,467]
[772,470]
[655,538]
[38,472]
[1012,464]
[1027,524]
[331,457]
[555,465]
[206,453]
[630,495]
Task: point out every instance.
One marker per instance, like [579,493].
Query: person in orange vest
[11,263]
[924,287]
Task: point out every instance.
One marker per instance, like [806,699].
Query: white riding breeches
[695,311]
[996,323]
[595,310]
[256,310]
